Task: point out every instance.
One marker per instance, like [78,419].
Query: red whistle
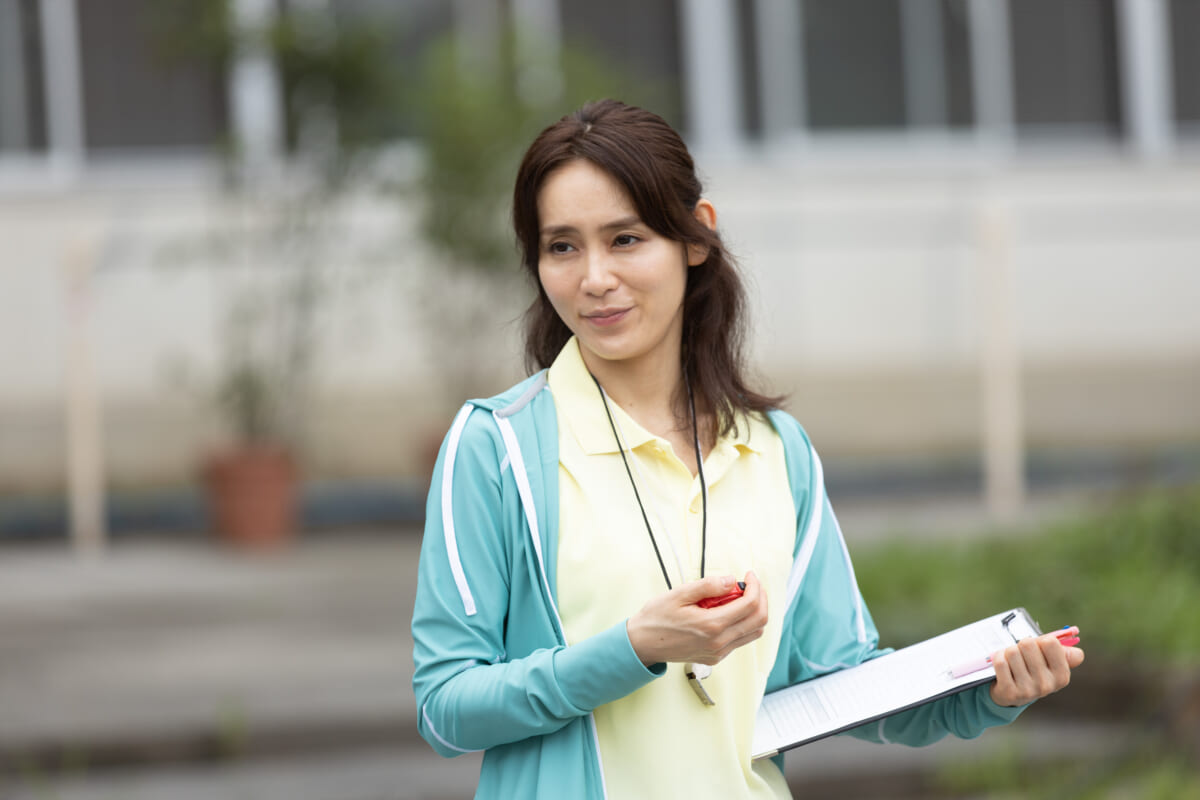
[720,600]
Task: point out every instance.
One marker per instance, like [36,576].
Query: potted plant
[277,236]
[251,482]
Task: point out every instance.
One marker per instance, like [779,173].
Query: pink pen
[1069,636]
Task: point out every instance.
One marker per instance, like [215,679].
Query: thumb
[1074,657]
[712,586]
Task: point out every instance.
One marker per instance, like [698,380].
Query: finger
[1014,656]
[1072,654]
[752,593]
[746,629]
[1053,652]
[1014,685]
[760,593]
[748,611]
[1004,691]
[740,641]
[1001,668]
[712,586]
[761,602]
[1057,659]
[1047,666]
[1033,653]
[752,582]
[754,588]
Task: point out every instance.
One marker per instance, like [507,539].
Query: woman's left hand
[1032,669]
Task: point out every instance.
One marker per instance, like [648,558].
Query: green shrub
[1128,576]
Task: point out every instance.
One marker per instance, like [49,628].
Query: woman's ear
[706,214]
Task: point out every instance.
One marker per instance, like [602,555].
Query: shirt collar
[576,396]
[578,399]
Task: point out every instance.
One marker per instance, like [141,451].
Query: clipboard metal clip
[1008,618]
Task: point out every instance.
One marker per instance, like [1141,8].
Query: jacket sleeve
[965,715]
[829,627]
[471,694]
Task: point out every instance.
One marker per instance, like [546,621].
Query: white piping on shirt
[456,568]
[439,737]
[599,758]
[517,462]
[452,442]
[811,531]
[858,604]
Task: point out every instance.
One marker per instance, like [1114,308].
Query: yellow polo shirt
[661,741]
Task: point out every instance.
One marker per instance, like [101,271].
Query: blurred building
[88,82]
[939,201]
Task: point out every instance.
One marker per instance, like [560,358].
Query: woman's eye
[558,248]
[625,240]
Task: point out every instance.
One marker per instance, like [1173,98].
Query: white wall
[867,290]
[861,271]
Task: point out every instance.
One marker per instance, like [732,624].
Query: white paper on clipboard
[883,686]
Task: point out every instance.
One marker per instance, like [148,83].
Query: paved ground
[175,669]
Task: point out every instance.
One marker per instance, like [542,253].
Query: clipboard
[883,686]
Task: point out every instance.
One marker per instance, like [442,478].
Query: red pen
[1068,636]
[733,594]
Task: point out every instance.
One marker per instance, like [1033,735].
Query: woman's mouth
[606,316]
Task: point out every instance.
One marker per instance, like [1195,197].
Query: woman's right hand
[672,628]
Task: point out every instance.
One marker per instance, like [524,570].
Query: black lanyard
[638,497]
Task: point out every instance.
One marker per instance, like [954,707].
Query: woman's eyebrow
[623,222]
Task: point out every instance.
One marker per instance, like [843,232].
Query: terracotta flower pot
[252,493]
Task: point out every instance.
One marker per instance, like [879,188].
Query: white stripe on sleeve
[460,577]
[858,604]
[439,737]
[517,462]
[811,531]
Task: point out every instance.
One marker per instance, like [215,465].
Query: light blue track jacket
[492,668]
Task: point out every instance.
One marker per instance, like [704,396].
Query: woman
[577,520]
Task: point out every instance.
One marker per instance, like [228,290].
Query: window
[1185,33]
[139,92]
[22,92]
[640,37]
[1065,67]
[878,64]
[853,64]
[752,119]
[960,100]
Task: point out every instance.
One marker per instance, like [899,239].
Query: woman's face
[616,283]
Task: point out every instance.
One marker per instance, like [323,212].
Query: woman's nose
[599,276]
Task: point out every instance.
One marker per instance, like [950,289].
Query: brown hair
[649,159]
